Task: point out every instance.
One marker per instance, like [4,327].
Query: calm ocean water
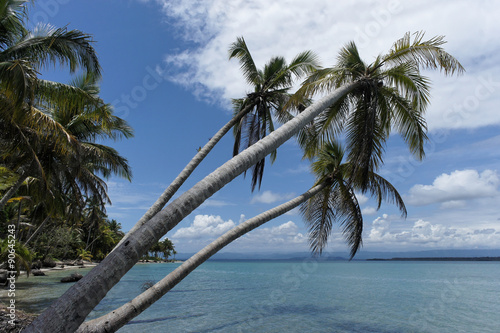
[305,296]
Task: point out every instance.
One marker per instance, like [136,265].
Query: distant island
[440,259]
[429,255]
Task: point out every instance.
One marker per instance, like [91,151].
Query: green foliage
[390,94]
[48,134]
[84,255]
[21,255]
[60,242]
[337,202]
[7,178]
[162,250]
[271,87]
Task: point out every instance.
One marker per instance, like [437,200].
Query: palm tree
[337,201]
[24,124]
[74,170]
[252,118]
[94,121]
[331,199]
[271,86]
[23,54]
[391,94]
[167,248]
[70,310]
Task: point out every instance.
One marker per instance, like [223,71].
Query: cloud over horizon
[424,234]
[204,226]
[456,187]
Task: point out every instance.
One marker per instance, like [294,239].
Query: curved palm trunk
[37,230]
[13,190]
[185,173]
[119,317]
[68,312]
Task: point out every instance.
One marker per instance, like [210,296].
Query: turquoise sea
[304,296]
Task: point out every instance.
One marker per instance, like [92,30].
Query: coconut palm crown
[337,201]
[391,94]
[271,93]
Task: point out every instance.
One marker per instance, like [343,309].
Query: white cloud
[324,26]
[362,199]
[455,187]
[204,226]
[369,211]
[214,203]
[285,236]
[269,197]
[424,234]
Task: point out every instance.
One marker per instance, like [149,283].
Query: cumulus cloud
[285,236]
[205,226]
[272,29]
[369,211]
[362,199]
[426,234]
[452,189]
[269,197]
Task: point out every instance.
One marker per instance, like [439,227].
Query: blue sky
[165,70]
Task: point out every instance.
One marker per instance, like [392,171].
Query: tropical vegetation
[52,165]
[160,251]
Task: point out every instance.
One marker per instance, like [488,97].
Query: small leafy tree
[21,255]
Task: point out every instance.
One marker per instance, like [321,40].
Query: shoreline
[89,264]
[24,314]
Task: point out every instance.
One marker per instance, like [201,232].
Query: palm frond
[385,191]
[18,80]
[365,138]
[351,219]
[104,159]
[319,216]
[12,15]
[425,53]
[409,122]
[304,63]
[406,78]
[46,46]
[240,50]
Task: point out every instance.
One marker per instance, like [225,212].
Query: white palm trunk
[119,317]
[68,312]
[185,173]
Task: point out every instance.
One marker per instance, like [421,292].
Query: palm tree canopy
[391,94]
[24,98]
[337,201]
[270,94]
[23,53]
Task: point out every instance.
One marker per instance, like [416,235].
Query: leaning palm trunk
[185,173]
[13,190]
[119,317]
[37,230]
[68,312]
